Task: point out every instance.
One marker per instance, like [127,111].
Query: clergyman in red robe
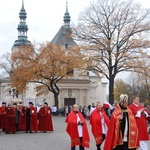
[77,129]
[99,123]
[45,118]
[10,121]
[3,110]
[122,132]
[22,119]
[141,117]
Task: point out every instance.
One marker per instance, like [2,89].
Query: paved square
[56,140]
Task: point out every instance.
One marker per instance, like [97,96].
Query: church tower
[67,16]
[63,36]
[22,30]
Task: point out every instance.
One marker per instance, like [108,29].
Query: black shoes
[27,131]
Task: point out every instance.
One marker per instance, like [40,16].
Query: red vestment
[45,119]
[72,130]
[33,119]
[2,117]
[10,120]
[114,136]
[141,122]
[0,122]
[22,119]
[95,121]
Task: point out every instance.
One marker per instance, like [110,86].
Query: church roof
[63,36]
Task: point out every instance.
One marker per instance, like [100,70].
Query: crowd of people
[123,127]
[14,119]
[118,127]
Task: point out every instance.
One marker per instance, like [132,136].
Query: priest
[123,131]
[22,119]
[141,117]
[3,110]
[99,123]
[45,118]
[77,129]
[10,126]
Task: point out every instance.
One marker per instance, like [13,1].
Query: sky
[44,18]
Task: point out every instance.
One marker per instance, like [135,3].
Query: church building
[82,89]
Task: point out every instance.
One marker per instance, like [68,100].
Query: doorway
[69,101]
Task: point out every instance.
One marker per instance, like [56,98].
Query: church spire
[22,28]
[66,15]
[63,36]
[23,4]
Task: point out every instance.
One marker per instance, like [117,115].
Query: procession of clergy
[126,129]
[16,118]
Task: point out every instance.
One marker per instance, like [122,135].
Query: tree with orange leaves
[46,66]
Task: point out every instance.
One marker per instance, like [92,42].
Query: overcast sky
[44,18]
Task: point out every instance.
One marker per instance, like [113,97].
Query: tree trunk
[111,90]
[56,100]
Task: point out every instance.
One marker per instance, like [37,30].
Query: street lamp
[13,92]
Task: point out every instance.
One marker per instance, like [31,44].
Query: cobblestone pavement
[56,140]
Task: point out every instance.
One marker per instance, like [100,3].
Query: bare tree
[113,33]
[120,87]
[134,84]
[6,65]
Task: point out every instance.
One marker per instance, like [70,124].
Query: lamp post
[13,92]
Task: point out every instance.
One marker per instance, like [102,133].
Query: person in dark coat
[31,118]
[16,112]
